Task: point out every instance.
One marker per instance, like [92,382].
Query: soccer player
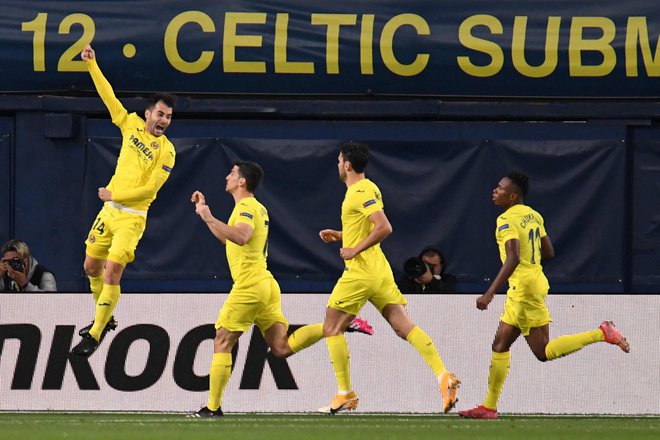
[255,294]
[145,162]
[523,243]
[368,277]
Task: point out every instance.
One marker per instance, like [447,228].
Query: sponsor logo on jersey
[368,203]
[246,214]
[166,168]
[140,147]
[155,145]
[91,238]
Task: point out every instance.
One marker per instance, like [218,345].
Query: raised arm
[117,111]
[239,234]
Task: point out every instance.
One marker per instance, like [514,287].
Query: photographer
[20,272]
[425,274]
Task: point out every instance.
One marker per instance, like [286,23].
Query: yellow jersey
[247,263]
[526,225]
[145,161]
[362,199]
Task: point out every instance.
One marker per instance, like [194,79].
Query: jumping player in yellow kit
[368,277]
[145,162]
[523,243]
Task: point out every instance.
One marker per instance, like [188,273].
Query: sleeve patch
[247,214]
[503,227]
[168,169]
[368,203]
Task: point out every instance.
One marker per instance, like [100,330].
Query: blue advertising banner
[443,48]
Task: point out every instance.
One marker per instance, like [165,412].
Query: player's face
[341,167]
[232,180]
[158,118]
[503,193]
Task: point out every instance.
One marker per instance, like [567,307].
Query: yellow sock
[424,345]
[96,285]
[104,307]
[305,336]
[340,359]
[499,369]
[218,379]
[568,344]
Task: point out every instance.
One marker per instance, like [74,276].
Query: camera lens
[16,264]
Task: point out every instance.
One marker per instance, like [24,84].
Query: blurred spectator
[20,272]
[426,274]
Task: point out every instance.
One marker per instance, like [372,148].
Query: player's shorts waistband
[125,208]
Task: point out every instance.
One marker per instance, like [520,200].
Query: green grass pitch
[147,426]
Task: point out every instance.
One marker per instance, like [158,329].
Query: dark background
[440,140]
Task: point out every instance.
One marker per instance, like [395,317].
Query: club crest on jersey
[368,203]
[91,238]
[246,214]
[155,145]
[503,227]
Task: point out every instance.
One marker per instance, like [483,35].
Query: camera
[16,264]
[414,267]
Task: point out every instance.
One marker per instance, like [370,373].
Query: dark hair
[357,153]
[521,181]
[430,251]
[251,172]
[167,98]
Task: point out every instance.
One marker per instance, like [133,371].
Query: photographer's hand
[19,277]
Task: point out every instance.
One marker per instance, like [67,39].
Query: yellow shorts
[525,316]
[115,235]
[350,294]
[260,304]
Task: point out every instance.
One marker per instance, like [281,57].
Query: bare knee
[398,318]
[92,268]
[336,322]
[224,342]
[331,329]
[281,350]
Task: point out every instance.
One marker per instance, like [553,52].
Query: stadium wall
[594,182]
[158,360]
